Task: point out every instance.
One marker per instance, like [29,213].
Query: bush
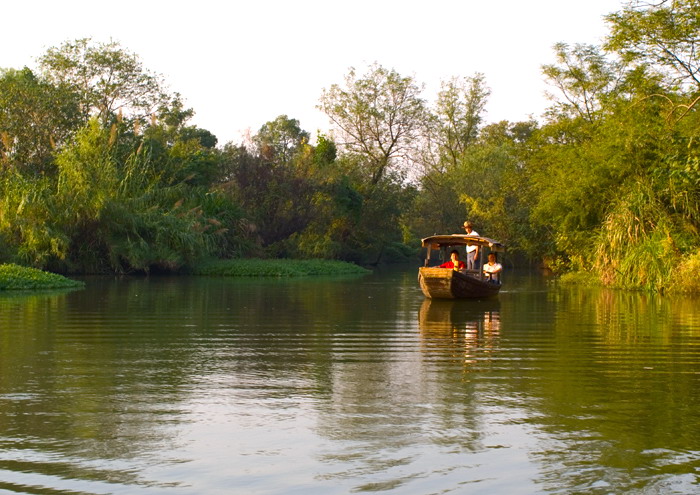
[687,277]
[581,278]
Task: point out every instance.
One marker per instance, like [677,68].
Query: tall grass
[642,242]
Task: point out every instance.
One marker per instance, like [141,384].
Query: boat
[446,283]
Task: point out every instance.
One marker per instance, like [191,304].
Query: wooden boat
[445,283]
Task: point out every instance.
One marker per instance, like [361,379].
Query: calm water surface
[353,385]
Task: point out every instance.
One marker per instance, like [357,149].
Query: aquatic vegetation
[580,278]
[15,277]
[256,267]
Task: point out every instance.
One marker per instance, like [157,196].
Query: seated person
[492,269]
[454,261]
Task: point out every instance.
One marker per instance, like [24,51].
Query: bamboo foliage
[109,210]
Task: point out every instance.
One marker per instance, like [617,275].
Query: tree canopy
[101,170]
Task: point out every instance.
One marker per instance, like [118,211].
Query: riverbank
[15,277]
[255,267]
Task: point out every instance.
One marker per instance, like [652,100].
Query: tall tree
[35,118]
[459,113]
[278,140]
[583,76]
[275,183]
[109,78]
[379,115]
[663,34]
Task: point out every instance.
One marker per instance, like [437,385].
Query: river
[196,385]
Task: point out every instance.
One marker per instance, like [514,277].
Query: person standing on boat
[454,261]
[472,251]
[492,269]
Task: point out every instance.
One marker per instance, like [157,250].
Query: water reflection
[462,329]
[339,386]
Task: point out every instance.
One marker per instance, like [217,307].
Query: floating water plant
[15,277]
[277,268]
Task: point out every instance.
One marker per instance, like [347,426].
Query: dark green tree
[36,118]
[280,139]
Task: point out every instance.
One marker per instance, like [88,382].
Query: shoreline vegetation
[102,172]
[15,277]
[255,267]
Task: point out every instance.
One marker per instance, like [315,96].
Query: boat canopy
[440,241]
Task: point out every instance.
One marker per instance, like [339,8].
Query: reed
[643,242]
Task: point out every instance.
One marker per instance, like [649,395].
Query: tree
[278,140]
[109,78]
[459,113]
[494,182]
[379,116]
[275,183]
[451,131]
[664,35]
[36,118]
[584,77]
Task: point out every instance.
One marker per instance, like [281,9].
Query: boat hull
[443,283]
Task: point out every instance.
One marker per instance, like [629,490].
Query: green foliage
[584,77]
[14,277]
[279,140]
[325,151]
[580,278]
[608,186]
[380,116]
[35,119]
[451,133]
[108,78]
[492,181]
[643,240]
[436,208]
[114,209]
[686,276]
[277,268]
[27,208]
[277,197]
[459,113]
[663,35]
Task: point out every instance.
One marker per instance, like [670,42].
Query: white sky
[239,64]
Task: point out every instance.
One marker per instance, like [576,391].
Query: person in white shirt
[472,251]
[492,269]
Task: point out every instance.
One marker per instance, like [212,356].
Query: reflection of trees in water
[630,316]
[385,417]
[461,330]
[390,411]
[79,386]
[617,390]
[113,367]
[601,379]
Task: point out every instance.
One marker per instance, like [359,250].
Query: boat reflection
[467,330]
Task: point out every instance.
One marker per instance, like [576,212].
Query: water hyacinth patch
[277,268]
[15,277]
